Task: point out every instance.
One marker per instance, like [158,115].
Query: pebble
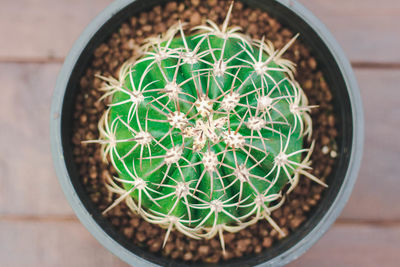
[147,28]
[141,237]
[168,248]
[181,7]
[229,237]
[195,3]
[227,255]
[312,63]
[135,222]
[252,29]
[204,250]
[214,258]
[267,242]
[128,232]
[243,244]
[331,120]
[325,140]
[195,19]
[187,256]
[212,3]
[296,221]
[175,254]
[160,28]
[253,17]
[171,6]
[155,246]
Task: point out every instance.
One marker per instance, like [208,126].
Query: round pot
[347,105]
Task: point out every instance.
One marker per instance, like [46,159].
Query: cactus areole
[205,130]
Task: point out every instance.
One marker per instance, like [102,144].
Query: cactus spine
[205,130]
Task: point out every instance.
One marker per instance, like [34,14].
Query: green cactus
[205,131]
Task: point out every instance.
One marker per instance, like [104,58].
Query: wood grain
[355,245]
[377,188]
[46,29]
[29,185]
[366,29]
[61,244]
[69,244]
[37,226]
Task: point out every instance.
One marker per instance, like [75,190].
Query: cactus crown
[205,131]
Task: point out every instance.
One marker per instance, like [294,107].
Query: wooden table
[38,228]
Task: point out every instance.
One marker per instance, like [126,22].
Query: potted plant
[208,132]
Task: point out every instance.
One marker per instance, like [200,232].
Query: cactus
[205,130]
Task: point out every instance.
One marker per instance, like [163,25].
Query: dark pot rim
[308,239]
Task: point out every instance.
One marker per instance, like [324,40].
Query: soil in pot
[124,44]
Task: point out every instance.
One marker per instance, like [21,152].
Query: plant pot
[347,105]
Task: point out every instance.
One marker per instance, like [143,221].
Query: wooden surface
[38,228]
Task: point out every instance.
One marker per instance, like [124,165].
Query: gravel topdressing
[122,45]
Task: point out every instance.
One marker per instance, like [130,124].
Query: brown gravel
[123,45]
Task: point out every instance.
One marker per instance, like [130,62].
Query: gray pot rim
[289,255]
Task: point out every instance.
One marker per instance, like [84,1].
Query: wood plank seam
[72,218]
[355,64]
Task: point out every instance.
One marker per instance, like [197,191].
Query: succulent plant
[205,131]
